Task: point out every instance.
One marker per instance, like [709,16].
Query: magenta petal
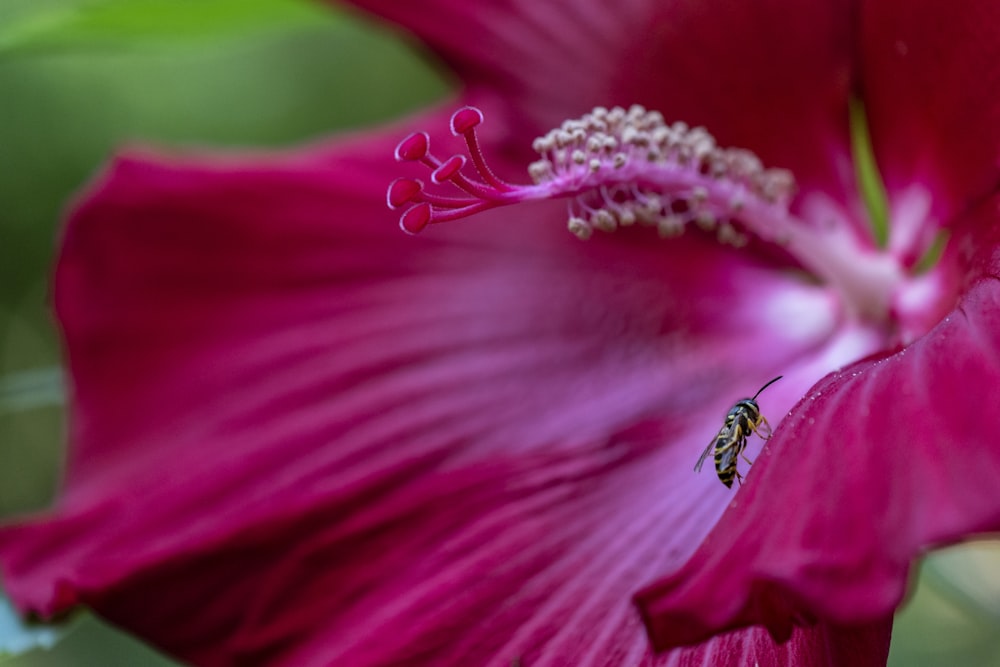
[876,464]
[300,436]
[930,75]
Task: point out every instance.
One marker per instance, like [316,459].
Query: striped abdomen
[742,420]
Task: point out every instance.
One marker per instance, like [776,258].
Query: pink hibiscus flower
[302,437]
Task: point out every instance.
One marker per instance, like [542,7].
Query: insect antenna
[765,387]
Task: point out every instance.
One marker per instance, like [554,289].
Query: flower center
[618,167]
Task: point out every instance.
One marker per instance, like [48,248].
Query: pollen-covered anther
[579,228]
[604,220]
[540,170]
[728,235]
[775,185]
[669,226]
[649,209]
[626,217]
[705,221]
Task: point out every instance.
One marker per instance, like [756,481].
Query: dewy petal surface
[301,437]
[878,463]
[929,75]
[770,76]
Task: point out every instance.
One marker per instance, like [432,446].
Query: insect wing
[724,434]
[704,455]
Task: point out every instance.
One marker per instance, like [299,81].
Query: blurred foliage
[73,85]
[953,617]
[121,24]
[20,636]
[91,644]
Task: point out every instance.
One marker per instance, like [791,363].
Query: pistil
[618,167]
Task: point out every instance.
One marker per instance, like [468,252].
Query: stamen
[621,167]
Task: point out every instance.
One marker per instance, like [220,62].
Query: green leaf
[966,575]
[123,24]
[18,636]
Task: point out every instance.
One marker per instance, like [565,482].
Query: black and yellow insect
[743,419]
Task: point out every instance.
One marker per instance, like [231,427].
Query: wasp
[743,419]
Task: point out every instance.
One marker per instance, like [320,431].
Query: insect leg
[763,429]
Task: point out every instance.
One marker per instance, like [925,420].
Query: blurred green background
[231,73]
